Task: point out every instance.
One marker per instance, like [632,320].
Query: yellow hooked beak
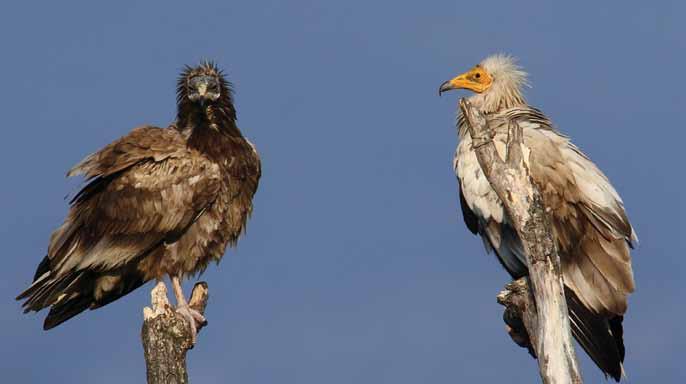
[476,80]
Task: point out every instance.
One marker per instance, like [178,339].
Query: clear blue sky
[356,267]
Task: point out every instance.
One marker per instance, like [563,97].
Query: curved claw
[194,319]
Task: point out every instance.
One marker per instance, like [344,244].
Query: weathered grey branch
[520,313]
[167,336]
[550,331]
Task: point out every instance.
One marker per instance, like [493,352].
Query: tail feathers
[618,333]
[50,289]
[43,267]
[42,273]
[126,285]
[37,284]
[65,310]
[72,292]
[599,337]
[68,293]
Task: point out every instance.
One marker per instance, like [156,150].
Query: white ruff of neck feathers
[506,90]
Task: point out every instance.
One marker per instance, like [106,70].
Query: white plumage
[591,228]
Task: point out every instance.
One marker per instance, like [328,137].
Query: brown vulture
[590,226]
[159,201]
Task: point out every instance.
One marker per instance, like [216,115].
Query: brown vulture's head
[204,85]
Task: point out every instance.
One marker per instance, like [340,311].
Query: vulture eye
[203,87]
[478,75]
[201,79]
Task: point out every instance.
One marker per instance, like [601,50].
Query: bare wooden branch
[520,313]
[550,334]
[167,336]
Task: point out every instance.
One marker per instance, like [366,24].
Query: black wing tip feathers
[600,337]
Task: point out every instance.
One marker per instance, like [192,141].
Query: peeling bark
[167,336]
[542,309]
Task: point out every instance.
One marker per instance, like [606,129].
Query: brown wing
[141,143]
[590,224]
[591,229]
[147,188]
[593,236]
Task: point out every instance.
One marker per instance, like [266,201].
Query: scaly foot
[194,318]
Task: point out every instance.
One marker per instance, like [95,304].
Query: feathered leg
[191,315]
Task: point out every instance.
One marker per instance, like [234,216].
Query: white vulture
[590,227]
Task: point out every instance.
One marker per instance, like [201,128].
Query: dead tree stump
[167,336]
[545,317]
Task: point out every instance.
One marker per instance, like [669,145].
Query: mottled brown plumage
[160,201]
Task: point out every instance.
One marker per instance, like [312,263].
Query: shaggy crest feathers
[207,68]
[160,201]
[508,81]
[590,225]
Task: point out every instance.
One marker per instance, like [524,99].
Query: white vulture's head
[497,82]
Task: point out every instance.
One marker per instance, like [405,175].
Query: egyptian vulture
[590,225]
[160,201]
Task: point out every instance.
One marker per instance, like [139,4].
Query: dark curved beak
[446,86]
